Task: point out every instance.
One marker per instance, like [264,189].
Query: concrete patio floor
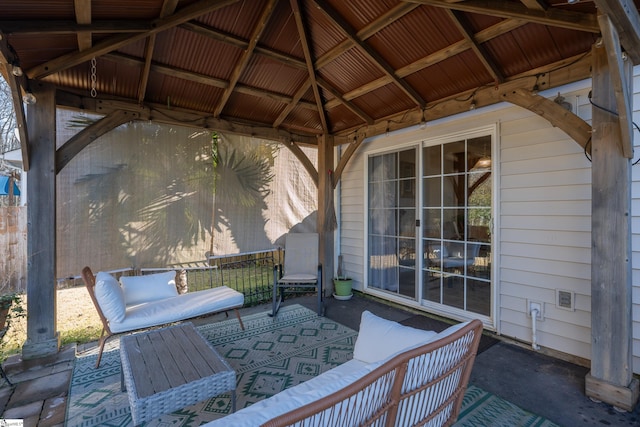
[538,383]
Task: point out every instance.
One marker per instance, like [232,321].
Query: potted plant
[342,283]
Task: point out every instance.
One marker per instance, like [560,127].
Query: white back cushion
[150,287]
[110,297]
[380,338]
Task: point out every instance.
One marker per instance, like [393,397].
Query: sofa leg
[239,318]
[103,341]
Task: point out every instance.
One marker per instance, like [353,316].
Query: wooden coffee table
[170,368]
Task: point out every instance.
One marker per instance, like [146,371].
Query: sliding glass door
[453,223]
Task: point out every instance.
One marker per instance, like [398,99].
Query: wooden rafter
[75,58]
[83,17]
[243,44]
[354,109]
[246,55]
[291,105]
[168,7]
[439,56]
[205,80]
[367,31]
[374,56]
[535,4]
[506,9]
[308,55]
[460,21]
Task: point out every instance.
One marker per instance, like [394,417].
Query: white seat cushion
[180,307]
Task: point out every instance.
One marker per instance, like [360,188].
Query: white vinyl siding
[635,226]
[543,219]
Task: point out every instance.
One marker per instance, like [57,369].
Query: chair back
[301,254]
[89,280]
[423,386]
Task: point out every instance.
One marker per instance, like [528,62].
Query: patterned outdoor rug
[482,409]
[268,357]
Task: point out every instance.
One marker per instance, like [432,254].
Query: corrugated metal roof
[375,59]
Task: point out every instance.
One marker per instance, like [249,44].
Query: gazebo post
[325,209]
[611,377]
[42,337]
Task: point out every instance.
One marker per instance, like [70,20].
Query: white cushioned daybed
[140,302]
[399,376]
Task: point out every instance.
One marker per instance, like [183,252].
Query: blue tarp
[4,187]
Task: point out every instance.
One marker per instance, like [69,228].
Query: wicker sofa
[399,376]
[141,302]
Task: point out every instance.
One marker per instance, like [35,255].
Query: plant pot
[342,287]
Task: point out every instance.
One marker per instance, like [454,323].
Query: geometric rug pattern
[269,356]
[482,409]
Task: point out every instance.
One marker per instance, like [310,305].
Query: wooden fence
[13,248]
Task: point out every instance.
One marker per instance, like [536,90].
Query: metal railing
[250,273]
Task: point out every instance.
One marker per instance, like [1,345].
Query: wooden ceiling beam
[625,18]
[547,77]
[354,109]
[434,58]
[204,79]
[36,27]
[75,58]
[506,9]
[292,104]
[535,4]
[168,7]
[83,17]
[240,43]
[374,56]
[460,21]
[308,56]
[246,55]
[367,31]
[183,117]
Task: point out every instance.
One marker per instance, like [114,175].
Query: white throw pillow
[380,338]
[110,297]
[150,287]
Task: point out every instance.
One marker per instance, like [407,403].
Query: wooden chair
[301,269]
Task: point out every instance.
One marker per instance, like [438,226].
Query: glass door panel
[392,261]
[457,212]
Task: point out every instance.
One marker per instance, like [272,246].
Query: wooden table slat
[177,371]
[201,357]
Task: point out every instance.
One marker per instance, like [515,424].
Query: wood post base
[620,397]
